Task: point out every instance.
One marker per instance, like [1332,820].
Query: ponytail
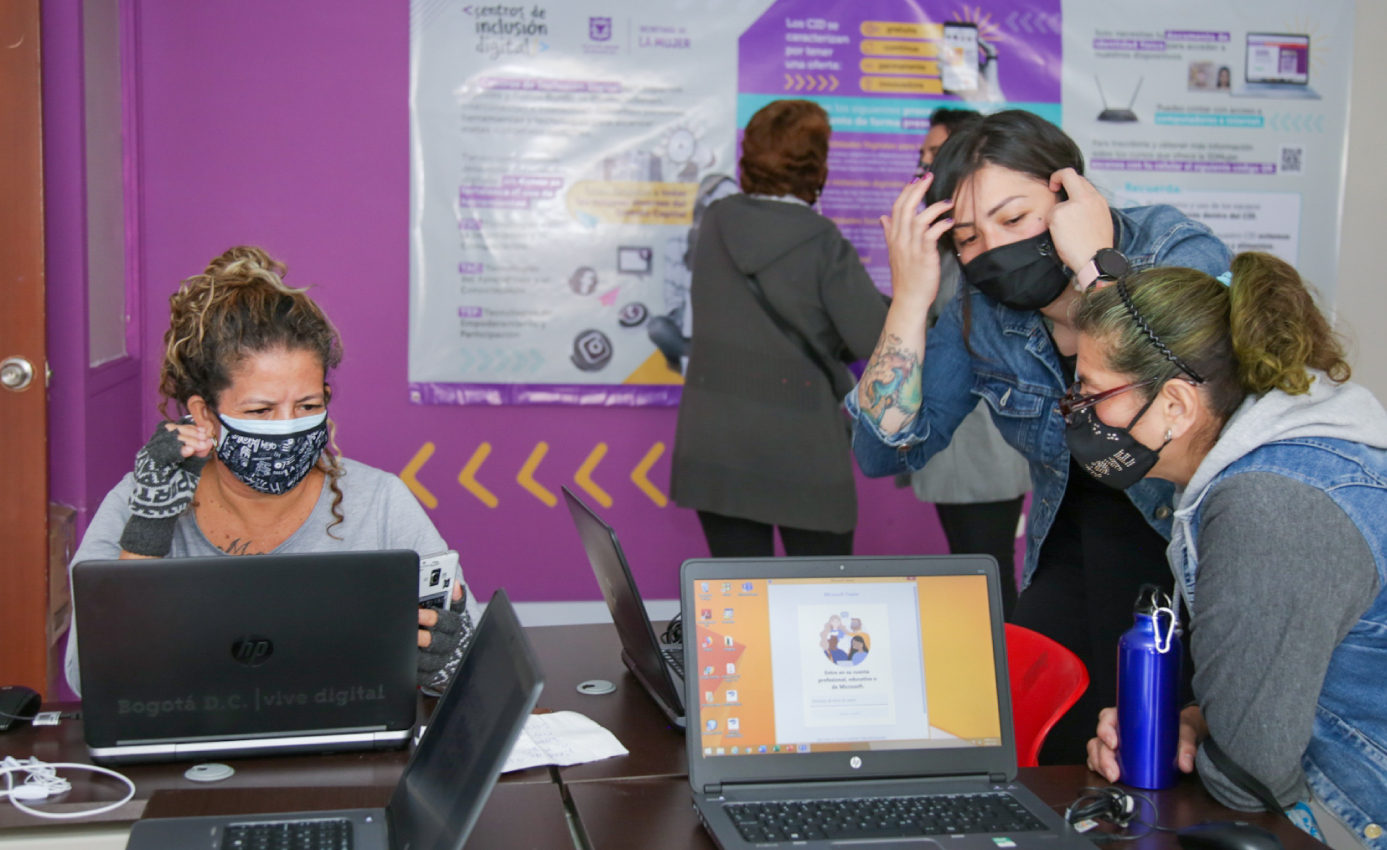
[1263,332]
[1278,331]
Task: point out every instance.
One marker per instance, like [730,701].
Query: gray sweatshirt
[378,512]
[1283,575]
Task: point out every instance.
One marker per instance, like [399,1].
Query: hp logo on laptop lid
[252,650]
[855,762]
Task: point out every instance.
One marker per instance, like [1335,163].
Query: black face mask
[1112,455]
[1025,275]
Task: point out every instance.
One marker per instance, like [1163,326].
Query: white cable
[43,782]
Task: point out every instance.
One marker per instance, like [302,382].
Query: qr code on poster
[1292,159]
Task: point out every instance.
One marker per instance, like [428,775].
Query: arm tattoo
[891,385]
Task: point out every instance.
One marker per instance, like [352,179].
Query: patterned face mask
[272,455]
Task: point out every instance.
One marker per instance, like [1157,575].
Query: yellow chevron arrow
[583,477]
[789,81]
[420,492]
[834,81]
[526,478]
[638,475]
[468,480]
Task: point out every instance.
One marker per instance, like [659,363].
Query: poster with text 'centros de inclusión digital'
[562,154]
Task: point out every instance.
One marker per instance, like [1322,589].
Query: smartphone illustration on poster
[958,65]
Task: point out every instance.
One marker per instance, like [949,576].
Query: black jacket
[760,433]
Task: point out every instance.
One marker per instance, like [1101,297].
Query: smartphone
[958,58]
[437,575]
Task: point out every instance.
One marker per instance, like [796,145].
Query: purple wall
[285,125]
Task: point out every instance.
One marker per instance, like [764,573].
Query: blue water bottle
[1148,692]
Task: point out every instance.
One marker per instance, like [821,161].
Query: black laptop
[444,787]
[855,701]
[659,669]
[195,658]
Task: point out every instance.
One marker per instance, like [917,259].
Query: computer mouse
[1227,835]
[17,705]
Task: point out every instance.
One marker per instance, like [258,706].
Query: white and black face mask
[272,455]
[1110,454]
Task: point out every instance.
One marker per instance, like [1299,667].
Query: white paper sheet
[563,738]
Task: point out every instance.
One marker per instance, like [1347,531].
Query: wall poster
[561,154]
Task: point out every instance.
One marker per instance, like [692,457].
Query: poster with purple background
[558,154]
[879,68]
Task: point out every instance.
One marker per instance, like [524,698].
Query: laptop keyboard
[675,660]
[333,834]
[881,817]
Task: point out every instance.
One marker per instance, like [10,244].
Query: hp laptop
[1278,65]
[839,702]
[238,656]
[660,670]
[445,784]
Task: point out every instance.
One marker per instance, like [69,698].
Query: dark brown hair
[1013,139]
[785,150]
[1263,332]
[238,307]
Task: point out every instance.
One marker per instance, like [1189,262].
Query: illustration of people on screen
[845,648]
[856,631]
[859,651]
[836,655]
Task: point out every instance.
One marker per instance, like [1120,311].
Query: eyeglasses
[1073,402]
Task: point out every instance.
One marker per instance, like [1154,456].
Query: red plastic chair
[1046,680]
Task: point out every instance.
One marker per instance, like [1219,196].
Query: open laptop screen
[1278,58]
[813,665]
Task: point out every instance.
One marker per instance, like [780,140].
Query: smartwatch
[1108,264]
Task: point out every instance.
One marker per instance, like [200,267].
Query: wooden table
[641,800]
[574,654]
[634,815]
[64,743]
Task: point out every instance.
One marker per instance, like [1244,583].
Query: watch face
[1110,263]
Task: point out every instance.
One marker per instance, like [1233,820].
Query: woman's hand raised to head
[166,475]
[912,240]
[1080,225]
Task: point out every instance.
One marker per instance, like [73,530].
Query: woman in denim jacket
[1008,197]
[1239,396]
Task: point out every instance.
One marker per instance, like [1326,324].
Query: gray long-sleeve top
[1284,574]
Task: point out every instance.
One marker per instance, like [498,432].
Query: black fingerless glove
[164,485]
[451,636]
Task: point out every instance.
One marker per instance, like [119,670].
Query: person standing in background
[780,297]
[978,483]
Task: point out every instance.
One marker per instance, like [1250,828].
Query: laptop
[444,786]
[851,701]
[659,669]
[196,658]
[1277,65]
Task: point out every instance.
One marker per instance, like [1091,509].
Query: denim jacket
[1346,761]
[1014,368]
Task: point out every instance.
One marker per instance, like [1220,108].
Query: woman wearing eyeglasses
[1007,197]
[1238,394]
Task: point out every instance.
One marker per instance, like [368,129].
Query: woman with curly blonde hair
[250,467]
